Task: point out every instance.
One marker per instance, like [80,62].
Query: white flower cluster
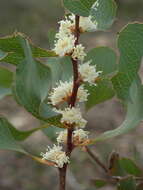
[72,116]
[65,45]
[62,136]
[88,73]
[85,23]
[79,136]
[56,155]
[65,40]
[78,52]
[65,29]
[63,92]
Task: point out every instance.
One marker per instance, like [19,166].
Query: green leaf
[103,12]
[105,60]
[134,113]
[67,68]
[130,43]
[56,70]
[123,166]
[99,183]
[51,37]
[61,69]
[115,167]
[18,135]
[22,135]
[127,184]
[100,93]
[51,132]
[14,52]
[79,7]
[32,83]
[6,78]
[49,116]
[7,137]
[130,167]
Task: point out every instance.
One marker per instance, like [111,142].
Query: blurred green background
[17,172]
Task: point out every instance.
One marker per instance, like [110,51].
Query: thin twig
[96,159]
[120,178]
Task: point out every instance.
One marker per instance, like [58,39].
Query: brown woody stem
[69,148]
[62,178]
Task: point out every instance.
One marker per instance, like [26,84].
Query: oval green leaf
[79,7]
[14,51]
[103,12]
[130,44]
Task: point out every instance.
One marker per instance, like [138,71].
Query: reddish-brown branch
[71,103]
[75,66]
[62,178]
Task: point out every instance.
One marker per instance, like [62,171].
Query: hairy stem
[71,103]
[96,159]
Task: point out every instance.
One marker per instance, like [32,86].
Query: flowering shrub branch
[53,92]
[68,44]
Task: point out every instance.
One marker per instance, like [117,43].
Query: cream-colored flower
[72,116]
[65,28]
[62,136]
[78,52]
[79,136]
[64,45]
[82,94]
[56,155]
[63,92]
[85,23]
[88,72]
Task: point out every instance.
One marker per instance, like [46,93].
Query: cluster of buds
[71,117]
